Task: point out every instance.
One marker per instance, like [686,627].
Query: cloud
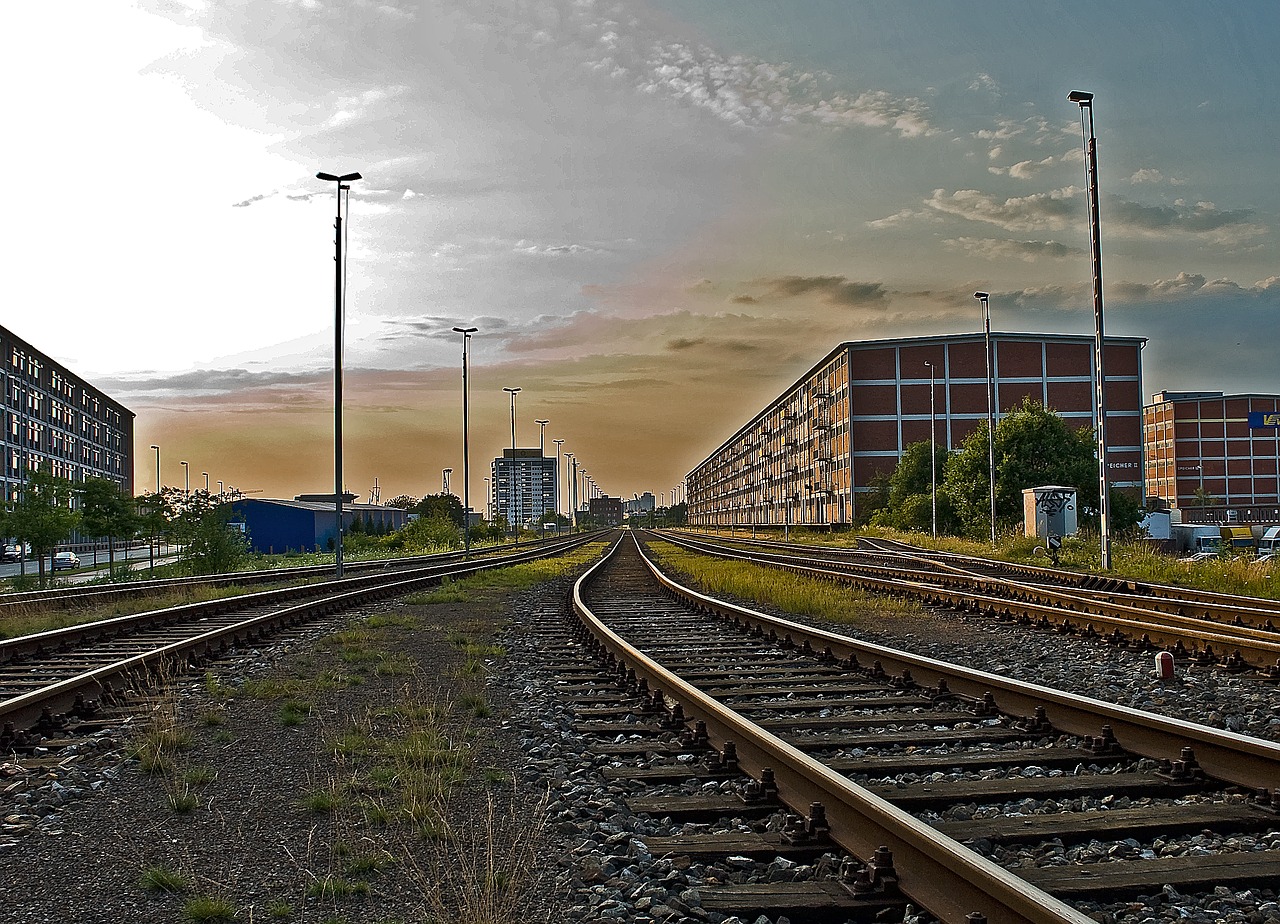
[896,218]
[1049,211]
[554,250]
[1154,176]
[835,290]
[252,199]
[1026,169]
[1180,286]
[1029,251]
[206,382]
[743,90]
[409,194]
[1201,219]
[744,300]
[986,83]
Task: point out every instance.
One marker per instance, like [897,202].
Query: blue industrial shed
[305,525]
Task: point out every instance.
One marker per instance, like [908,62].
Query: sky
[657,213]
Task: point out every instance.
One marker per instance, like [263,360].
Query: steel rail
[1258,647]
[19,647]
[73,693]
[949,880]
[94,594]
[1239,759]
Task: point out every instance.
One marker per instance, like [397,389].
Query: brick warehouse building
[57,422]
[807,457]
[1213,446]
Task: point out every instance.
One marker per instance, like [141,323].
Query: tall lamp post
[466,448]
[339,306]
[933,452]
[1085,102]
[512,500]
[157,449]
[558,443]
[206,482]
[985,299]
[570,485]
[186,478]
[542,429]
[444,479]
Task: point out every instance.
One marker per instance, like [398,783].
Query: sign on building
[1264,420]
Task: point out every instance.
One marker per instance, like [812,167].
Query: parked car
[65,561]
[16,552]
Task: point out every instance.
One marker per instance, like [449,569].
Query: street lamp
[1085,101]
[488,513]
[444,478]
[558,443]
[466,448]
[933,452]
[985,299]
[157,449]
[571,484]
[339,310]
[512,501]
[186,477]
[220,491]
[542,428]
[206,482]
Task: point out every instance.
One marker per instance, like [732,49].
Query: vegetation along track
[1232,632]
[92,595]
[57,679]
[878,749]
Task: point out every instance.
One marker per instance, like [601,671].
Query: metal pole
[466,449]
[157,449]
[558,443]
[338,311]
[512,501]
[933,453]
[991,411]
[1085,101]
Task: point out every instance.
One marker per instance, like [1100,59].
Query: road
[139,558]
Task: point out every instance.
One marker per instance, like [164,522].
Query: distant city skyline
[657,213]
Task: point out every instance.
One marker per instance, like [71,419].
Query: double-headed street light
[542,429]
[186,478]
[1085,102]
[157,449]
[985,299]
[444,479]
[466,448]
[339,310]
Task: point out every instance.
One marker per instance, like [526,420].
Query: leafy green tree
[198,522]
[402,502]
[1033,446]
[908,501]
[106,512]
[42,515]
[437,506]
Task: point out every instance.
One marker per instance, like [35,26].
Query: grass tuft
[162,879]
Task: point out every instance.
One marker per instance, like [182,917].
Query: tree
[908,499]
[198,521]
[441,506]
[402,502]
[106,512]
[1033,446]
[42,515]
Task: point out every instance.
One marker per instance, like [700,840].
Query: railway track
[58,679]
[70,598]
[899,761]
[1231,632]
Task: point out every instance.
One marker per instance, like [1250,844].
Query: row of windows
[59,384]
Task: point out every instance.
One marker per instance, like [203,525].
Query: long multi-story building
[59,423]
[1211,451]
[523,486]
[809,456]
